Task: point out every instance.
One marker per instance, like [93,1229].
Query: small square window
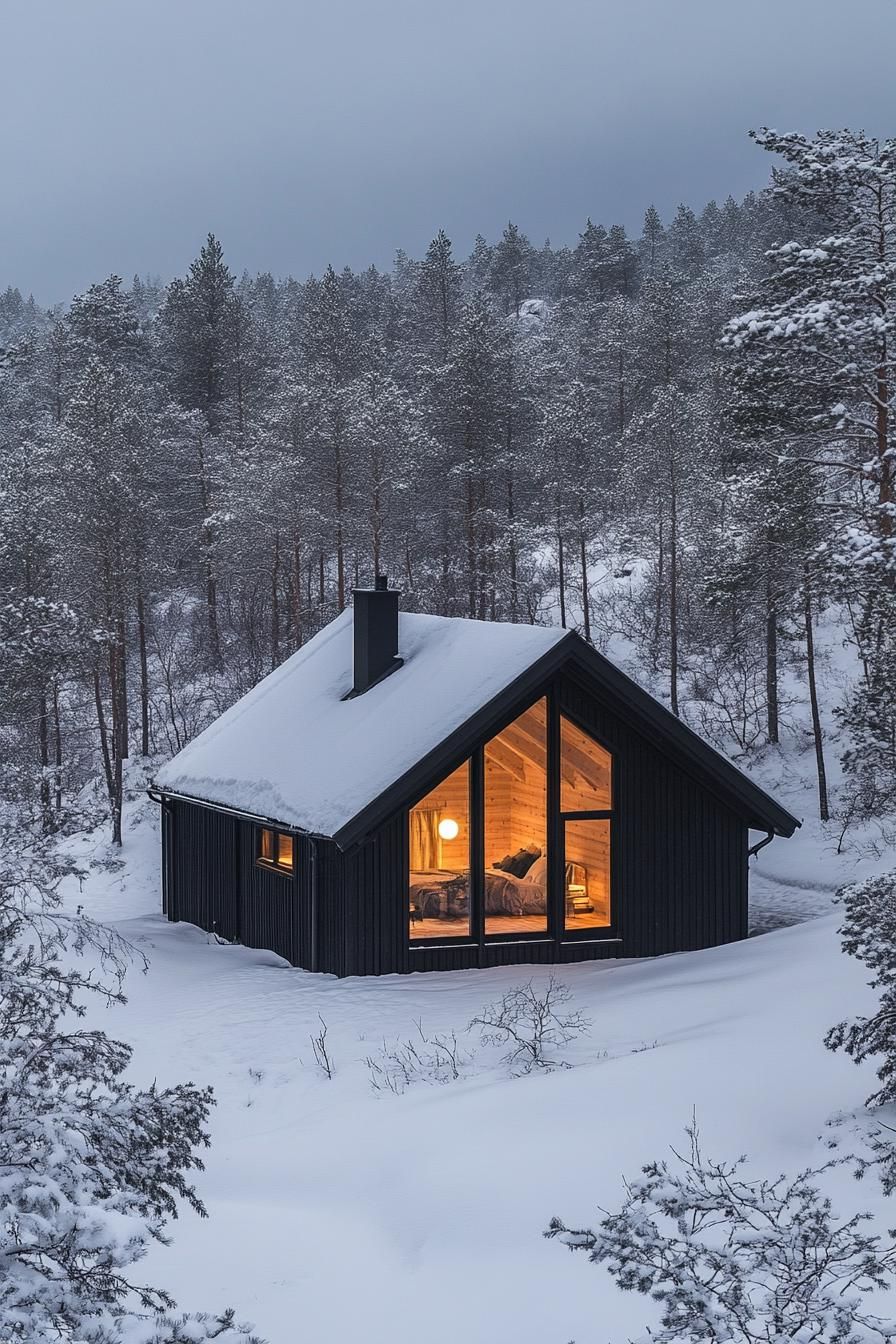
[284,851]
[276,850]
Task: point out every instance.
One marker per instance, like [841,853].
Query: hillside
[340,1213]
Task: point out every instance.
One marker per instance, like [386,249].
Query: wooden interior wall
[588,843]
[529,810]
[499,840]
[452,799]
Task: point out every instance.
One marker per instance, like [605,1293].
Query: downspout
[312,843]
[753,851]
[169,849]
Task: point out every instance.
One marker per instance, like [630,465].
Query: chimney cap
[381,583]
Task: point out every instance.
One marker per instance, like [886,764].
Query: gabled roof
[294,751]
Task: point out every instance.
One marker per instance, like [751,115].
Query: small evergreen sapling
[740,1261]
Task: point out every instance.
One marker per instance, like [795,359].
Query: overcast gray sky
[335,131]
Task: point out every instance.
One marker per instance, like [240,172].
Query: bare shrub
[322,1057]
[535,1023]
[397,1065]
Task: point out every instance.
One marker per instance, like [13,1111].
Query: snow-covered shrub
[535,1023]
[747,1262]
[92,1168]
[868,932]
[397,1065]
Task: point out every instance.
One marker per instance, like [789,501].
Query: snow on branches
[92,1168]
[744,1261]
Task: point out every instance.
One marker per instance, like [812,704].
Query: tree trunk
[673,591]
[57,742]
[275,603]
[104,735]
[122,735]
[511,531]
[144,674]
[583,560]
[561,577]
[823,810]
[43,721]
[296,589]
[660,583]
[211,585]
[340,543]
[471,550]
[771,658]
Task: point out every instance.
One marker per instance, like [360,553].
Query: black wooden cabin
[437,794]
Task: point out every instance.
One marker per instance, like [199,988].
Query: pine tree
[653,241]
[820,358]
[439,294]
[92,1167]
[511,268]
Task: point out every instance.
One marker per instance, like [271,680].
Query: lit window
[586,773]
[275,850]
[516,826]
[585,770]
[439,834]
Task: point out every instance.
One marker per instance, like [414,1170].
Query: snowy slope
[339,1214]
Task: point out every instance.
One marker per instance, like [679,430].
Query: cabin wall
[679,855]
[211,879]
[679,874]
[678,861]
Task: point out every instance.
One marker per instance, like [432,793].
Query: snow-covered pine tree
[748,1261]
[511,267]
[819,337]
[868,932]
[92,1168]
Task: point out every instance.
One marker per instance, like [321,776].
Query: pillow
[523,860]
[538,873]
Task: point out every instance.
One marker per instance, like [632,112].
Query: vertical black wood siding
[679,875]
[212,879]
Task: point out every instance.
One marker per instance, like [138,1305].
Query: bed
[444,895]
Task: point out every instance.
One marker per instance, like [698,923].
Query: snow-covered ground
[337,1213]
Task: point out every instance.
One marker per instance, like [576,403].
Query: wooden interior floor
[459,928]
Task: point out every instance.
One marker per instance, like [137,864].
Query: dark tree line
[683,440]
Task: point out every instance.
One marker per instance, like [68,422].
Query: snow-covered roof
[293,750]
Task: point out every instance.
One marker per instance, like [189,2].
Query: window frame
[600,932]
[274,865]
[556,931]
[474,828]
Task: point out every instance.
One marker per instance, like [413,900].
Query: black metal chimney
[376,634]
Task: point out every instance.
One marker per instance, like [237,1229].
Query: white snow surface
[295,751]
[339,1214]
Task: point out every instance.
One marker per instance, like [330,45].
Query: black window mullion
[477,848]
[556,871]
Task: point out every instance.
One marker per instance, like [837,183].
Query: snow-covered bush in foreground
[747,1262]
[535,1024]
[91,1167]
[868,932]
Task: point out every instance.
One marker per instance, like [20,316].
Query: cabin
[425,793]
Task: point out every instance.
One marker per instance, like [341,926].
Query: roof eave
[758,807]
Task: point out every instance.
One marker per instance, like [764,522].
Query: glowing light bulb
[449,829]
